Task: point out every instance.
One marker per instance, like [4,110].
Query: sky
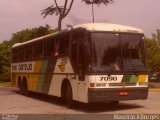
[16,15]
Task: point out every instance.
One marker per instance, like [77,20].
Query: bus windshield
[116,52]
[132,52]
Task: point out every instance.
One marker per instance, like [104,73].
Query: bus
[88,63]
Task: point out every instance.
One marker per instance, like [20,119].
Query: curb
[154,89]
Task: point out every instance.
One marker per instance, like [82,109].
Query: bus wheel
[21,88]
[25,88]
[68,96]
[20,85]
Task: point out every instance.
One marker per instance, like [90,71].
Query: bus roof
[33,40]
[108,27]
[90,27]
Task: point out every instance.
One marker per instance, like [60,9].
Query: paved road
[154,85]
[14,103]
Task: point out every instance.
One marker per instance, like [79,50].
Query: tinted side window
[62,45]
[28,52]
[38,50]
[48,47]
[21,54]
[14,54]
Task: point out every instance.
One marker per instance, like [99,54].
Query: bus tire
[68,96]
[114,103]
[20,85]
[25,87]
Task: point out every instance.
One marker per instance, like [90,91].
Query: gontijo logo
[62,65]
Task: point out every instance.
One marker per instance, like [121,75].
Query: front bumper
[112,94]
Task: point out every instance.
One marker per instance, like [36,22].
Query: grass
[5,84]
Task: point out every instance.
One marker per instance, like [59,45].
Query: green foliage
[5,61]
[51,10]
[98,2]
[58,10]
[21,36]
[153,52]
[27,34]
[63,10]
[5,84]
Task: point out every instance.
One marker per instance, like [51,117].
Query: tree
[21,36]
[62,11]
[5,61]
[153,52]
[27,34]
[98,2]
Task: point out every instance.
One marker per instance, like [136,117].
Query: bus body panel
[83,91]
[55,87]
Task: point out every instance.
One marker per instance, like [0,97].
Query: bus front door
[82,85]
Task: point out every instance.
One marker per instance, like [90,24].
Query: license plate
[123,93]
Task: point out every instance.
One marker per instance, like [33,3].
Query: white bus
[89,63]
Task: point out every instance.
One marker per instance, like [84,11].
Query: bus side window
[56,47]
[63,45]
[14,55]
[28,52]
[48,47]
[21,54]
[39,50]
